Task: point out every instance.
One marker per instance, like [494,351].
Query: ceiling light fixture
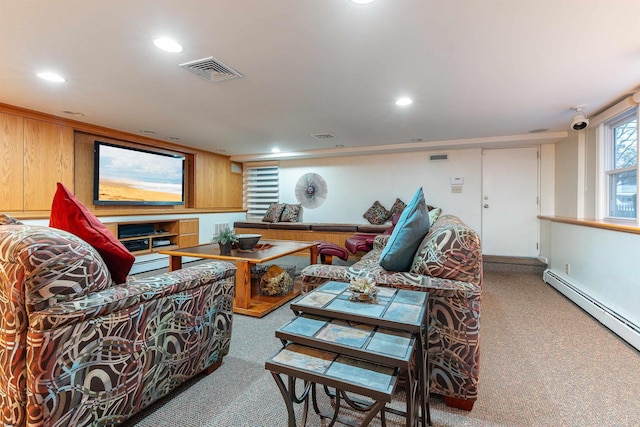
[362,1]
[168,45]
[275,150]
[404,101]
[52,77]
[580,121]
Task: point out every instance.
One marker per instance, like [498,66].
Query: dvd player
[136,245]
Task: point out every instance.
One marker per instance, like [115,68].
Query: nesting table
[354,347]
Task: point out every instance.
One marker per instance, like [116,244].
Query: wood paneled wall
[39,150]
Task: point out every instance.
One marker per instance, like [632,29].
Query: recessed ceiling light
[52,77]
[168,45]
[362,1]
[404,101]
[275,150]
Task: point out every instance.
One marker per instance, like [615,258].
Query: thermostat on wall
[457,180]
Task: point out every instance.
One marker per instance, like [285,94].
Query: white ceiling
[479,72]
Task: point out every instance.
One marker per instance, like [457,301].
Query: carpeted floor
[544,362]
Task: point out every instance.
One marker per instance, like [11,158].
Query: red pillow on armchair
[69,214]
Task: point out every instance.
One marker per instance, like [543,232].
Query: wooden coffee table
[245,302]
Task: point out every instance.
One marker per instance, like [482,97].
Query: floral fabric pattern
[454,301]
[398,207]
[377,214]
[274,211]
[99,352]
[290,213]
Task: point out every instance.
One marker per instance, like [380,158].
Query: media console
[144,237]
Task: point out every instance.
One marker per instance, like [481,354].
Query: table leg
[313,255]
[242,297]
[175,262]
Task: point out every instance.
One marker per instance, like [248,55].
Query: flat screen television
[133,176]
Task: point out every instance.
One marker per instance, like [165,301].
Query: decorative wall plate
[311,190]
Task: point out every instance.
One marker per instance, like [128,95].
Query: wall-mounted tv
[133,176]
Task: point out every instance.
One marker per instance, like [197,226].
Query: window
[622,165]
[260,188]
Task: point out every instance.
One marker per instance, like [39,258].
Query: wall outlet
[567,269]
[456,188]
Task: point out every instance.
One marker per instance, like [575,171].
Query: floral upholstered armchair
[78,349]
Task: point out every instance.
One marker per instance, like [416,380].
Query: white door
[510,202]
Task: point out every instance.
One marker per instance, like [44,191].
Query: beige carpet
[544,362]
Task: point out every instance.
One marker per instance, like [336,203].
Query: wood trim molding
[621,226]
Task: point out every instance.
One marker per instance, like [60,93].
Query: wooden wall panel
[11,161]
[216,185]
[205,164]
[233,193]
[48,158]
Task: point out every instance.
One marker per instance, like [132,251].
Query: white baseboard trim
[624,328]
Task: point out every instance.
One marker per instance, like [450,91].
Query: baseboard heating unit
[621,326]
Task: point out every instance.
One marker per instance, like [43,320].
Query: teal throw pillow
[411,228]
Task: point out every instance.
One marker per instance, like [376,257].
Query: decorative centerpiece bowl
[363,289]
[247,242]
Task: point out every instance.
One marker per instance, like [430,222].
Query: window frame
[609,170]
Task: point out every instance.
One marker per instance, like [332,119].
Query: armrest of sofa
[379,242]
[133,293]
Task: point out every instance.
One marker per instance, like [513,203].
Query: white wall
[356,182]
[566,179]
[602,263]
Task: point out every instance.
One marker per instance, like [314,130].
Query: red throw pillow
[69,214]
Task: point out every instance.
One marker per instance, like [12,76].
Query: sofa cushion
[377,214]
[411,228]
[451,250]
[69,214]
[290,213]
[398,207]
[8,219]
[52,265]
[274,211]
[290,226]
[434,213]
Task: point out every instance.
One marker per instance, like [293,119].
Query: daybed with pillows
[440,255]
[83,344]
[282,222]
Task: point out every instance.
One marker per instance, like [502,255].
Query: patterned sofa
[447,264]
[77,349]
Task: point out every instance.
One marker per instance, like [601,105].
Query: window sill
[608,224]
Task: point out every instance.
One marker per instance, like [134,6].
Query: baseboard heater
[621,326]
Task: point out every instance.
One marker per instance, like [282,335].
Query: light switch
[456,188]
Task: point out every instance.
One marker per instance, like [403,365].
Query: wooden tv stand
[161,235]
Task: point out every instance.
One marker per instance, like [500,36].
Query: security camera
[580,121]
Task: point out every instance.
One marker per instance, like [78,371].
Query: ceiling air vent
[211,69]
[321,136]
[438,157]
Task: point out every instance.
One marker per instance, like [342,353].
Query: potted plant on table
[225,238]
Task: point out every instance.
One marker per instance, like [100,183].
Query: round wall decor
[311,190]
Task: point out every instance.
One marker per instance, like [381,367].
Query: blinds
[260,188]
